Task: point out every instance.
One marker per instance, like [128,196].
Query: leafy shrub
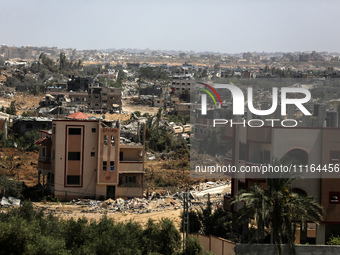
[334,240]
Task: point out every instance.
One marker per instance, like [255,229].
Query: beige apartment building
[82,158]
[253,146]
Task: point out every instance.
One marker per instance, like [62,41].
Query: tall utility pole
[185,216]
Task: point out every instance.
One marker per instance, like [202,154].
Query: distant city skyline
[215,26]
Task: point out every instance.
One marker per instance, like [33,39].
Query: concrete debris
[152,157]
[156,202]
[8,201]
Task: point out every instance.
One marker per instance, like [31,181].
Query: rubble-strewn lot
[130,105]
[156,206]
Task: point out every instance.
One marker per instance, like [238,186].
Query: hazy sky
[220,26]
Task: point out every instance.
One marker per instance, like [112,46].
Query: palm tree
[256,201]
[278,207]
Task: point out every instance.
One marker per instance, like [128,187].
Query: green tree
[12,109]
[279,208]
[192,246]
[10,187]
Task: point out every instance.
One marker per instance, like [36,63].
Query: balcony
[44,166]
[131,167]
[44,159]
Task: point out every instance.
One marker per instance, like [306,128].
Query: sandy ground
[130,108]
[114,116]
[20,165]
[66,211]
[25,102]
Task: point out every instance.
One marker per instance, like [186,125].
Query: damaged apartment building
[82,157]
[85,95]
[104,98]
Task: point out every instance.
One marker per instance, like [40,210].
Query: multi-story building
[104,98]
[309,146]
[182,109]
[181,84]
[82,157]
[79,83]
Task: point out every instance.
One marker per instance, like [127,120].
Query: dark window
[121,156]
[74,156]
[43,151]
[93,130]
[53,155]
[93,154]
[74,131]
[334,197]
[105,140]
[298,156]
[104,165]
[242,151]
[53,130]
[73,180]
[52,179]
[335,156]
[130,179]
[112,165]
[266,156]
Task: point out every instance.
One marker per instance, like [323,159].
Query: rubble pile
[9,201]
[135,205]
[157,202]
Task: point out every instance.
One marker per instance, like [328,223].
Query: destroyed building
[104,99]
[152,90]
[79,83]
[82,157]
[23,125]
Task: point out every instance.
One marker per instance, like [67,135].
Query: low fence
[217,245]
[269,249]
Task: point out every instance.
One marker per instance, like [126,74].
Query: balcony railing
[44,159]
[131,166]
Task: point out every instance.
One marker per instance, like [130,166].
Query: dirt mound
[20,165]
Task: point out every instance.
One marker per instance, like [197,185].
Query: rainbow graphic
[204,97]
[209,93]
